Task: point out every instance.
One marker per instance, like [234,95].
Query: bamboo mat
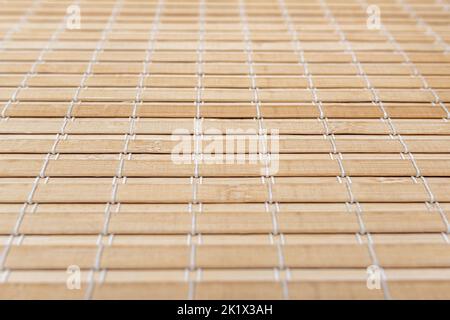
[339,189]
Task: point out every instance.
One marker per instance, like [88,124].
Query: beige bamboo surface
[359,117]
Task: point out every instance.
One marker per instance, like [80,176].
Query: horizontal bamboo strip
[221,223]
[254,208]
[230,25]
[213,193]
[224,81]
[223,110]
[182,144]
[228,256]
[231,56]
[219,180]
[222,95]
[221,46]
[223,126]
[213,168]
[228,239]
[229,69]
[230,284]
[281,157]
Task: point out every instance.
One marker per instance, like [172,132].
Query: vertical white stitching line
[38,61]
[192,255]
[422,24]
[91,277]
[413,161]
[298,48]
[198,130]
[262,134]
[4,275]
[252,75]
[98,255]
[429,191]
[330,17]
[188,270]
[106,219]
[445,236]
[16,27]
[282,266]
[198,278]
[375,260]
[443,217]
[192,244]
[359,216]
[6,249]
[264,155]
[425,85]
[107,215]
[197,156]
[274,213]
[371,250]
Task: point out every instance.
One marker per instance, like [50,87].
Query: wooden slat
[213,193]
[294,168]
[210,126]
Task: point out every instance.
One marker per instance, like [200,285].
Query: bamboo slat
[236,284]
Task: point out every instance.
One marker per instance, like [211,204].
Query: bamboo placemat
[340,187]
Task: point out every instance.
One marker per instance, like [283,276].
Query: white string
[446,238]
[282,266]
[197,135]
[375,261]
[197,157]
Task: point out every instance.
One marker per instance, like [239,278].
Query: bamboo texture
[353,120]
